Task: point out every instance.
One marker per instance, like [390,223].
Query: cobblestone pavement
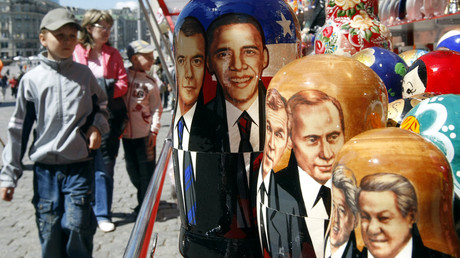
[18,231]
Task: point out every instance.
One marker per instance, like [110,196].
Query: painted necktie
[244,213]
[180,130]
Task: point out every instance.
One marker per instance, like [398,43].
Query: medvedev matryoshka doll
[226,53]
[351,26]
[392,197]
[437,72]
[313,106]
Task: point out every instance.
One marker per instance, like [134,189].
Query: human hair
[44,31]
[90,18]
[190,26]
[274,100]
[406,196]
[314,97]
[344,179]
[233,18]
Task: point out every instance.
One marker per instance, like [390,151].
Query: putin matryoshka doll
[313,106]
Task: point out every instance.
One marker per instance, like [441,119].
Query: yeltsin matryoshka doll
[392,197]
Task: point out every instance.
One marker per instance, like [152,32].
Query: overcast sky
[99,4]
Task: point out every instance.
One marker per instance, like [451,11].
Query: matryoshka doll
[437,72]
[410,56]
[399,108]
[437,119]
[392,197]
[313,106]
[226,53]
[450,40]
[351,26]
[388,65]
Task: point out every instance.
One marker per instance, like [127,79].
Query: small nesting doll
[410,56]
[450,40]
[313,106]
[399,108]
[437,72]
[392,197]
[351,26]
[388,65]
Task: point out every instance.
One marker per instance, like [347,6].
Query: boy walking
[68,108]
[143,102]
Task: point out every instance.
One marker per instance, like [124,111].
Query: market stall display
[313,106]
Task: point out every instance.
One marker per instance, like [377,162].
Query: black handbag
[118,118]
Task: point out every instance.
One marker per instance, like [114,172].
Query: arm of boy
[7,193]
[152,140]
[19,128]
[94,137]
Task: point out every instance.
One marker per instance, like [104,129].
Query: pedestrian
[144,112]
[14,86]
[107,65]
[4,85]
[64,101]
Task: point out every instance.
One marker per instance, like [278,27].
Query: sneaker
[106,226]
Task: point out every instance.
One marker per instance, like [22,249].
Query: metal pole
[155,41]
[115,30]
[139,236]
[139,29]
[162,38]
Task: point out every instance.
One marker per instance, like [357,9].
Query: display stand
[423,32]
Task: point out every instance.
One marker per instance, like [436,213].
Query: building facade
[125,28]
[20,25]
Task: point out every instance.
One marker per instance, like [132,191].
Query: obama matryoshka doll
[226,53]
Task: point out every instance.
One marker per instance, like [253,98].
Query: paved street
[18,231]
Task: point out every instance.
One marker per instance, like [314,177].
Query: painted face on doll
[190,65]
[342,219]
[384,229]
[415,80]
[317,137]
[276,132]
[237,58]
